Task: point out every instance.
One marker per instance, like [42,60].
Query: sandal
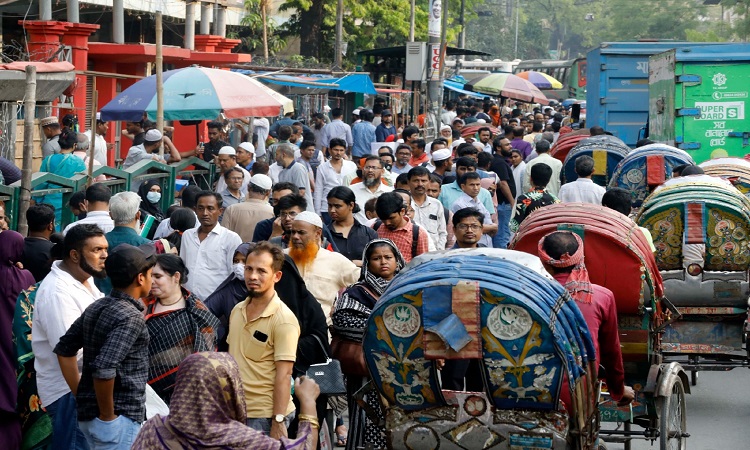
[341,436]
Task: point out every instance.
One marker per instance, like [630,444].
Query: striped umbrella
[507,85]
[196,93]
[540,79]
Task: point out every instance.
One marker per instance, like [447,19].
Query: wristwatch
[279,418]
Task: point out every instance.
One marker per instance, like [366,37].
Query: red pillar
[107,89]
[77,37]
[43,38]
[207,43]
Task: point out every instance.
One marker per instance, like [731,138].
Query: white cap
[248,147]
[99,116]
[479,146]
[355,112]
[457,142]
[310,217]
[262,181]
[481,121]
[153,136]
[441,155]
[227,150]
[445,127]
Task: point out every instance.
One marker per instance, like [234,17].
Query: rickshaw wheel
[673,420]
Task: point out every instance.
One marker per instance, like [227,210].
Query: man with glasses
[371,185]
[467,226]
[289,207]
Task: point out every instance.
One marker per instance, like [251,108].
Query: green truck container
[698,100]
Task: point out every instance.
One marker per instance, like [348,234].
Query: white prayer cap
[227,150]
[310,217]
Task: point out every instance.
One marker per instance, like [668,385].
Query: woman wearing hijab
[208,411]
[15,280]
[178,324]
[381,261]
[64,164]
[150,193]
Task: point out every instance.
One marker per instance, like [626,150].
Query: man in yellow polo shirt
[263,335]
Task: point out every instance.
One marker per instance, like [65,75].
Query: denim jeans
[65,432]
[502,237]
[264,425]
[118,434]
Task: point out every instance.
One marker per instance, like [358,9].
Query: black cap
[125,262]
[386,112]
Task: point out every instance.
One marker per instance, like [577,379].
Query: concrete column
[221,21]
[72,10]
[43,38]
[45,9]
[77,37]
[118,22]
[215,24]
[189,26]
[205,18]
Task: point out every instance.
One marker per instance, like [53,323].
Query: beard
[89,269]
[304,256]
[371,182]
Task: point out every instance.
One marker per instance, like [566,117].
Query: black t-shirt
[139,138]
[37,257]
[503,170]
[211,149]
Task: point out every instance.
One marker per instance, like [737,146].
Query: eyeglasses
[289,214]
[372,168]
[468,226]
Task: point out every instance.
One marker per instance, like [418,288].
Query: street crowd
[216,307]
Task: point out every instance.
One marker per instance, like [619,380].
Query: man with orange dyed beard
[325,272]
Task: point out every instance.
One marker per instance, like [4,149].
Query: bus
[571,73]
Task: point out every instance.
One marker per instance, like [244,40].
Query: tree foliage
[251,30]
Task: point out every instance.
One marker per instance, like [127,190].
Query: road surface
[718,413]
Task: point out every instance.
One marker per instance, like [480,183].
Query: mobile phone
[262,337]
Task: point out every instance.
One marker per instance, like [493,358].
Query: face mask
[153,197]
[239,271]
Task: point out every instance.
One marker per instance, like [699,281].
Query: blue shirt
[382,132]
[449,193]
[364,135]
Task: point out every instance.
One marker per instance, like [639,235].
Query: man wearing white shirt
[370,187]
[428,212]
[209,249]
[542,149]
[227,159]
[61,298]
[331,174]
[583,189]
[97,205]
[97,138]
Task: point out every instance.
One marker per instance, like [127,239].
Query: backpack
[414,235]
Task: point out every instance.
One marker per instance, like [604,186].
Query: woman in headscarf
[64,164]
[150,193]
[208,411]
[381,261]
[178,324]
[14,280]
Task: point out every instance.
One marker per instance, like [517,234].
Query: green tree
[257,31]
[741,25]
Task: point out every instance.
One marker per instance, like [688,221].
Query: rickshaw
[607,152]
[647,167]
[701,229]
[619,258]
[500,308]
[566,142]
[734,170]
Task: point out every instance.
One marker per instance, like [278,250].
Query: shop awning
[355,82]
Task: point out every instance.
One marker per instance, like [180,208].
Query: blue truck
[617,89]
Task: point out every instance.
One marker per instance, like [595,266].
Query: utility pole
[518,11]
[434,83]
[29,112]
[159,82]
[337,58]
[411,22]
[461,36]
[92,128]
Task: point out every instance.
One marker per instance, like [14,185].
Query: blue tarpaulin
[355,82]
[458,87]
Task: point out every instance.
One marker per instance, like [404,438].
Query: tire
[672,419]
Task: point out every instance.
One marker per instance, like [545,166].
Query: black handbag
[328,374]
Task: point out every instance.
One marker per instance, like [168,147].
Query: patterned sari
[175,335]
[208,411]
[36,425]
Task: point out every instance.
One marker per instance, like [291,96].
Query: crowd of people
[221,305]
